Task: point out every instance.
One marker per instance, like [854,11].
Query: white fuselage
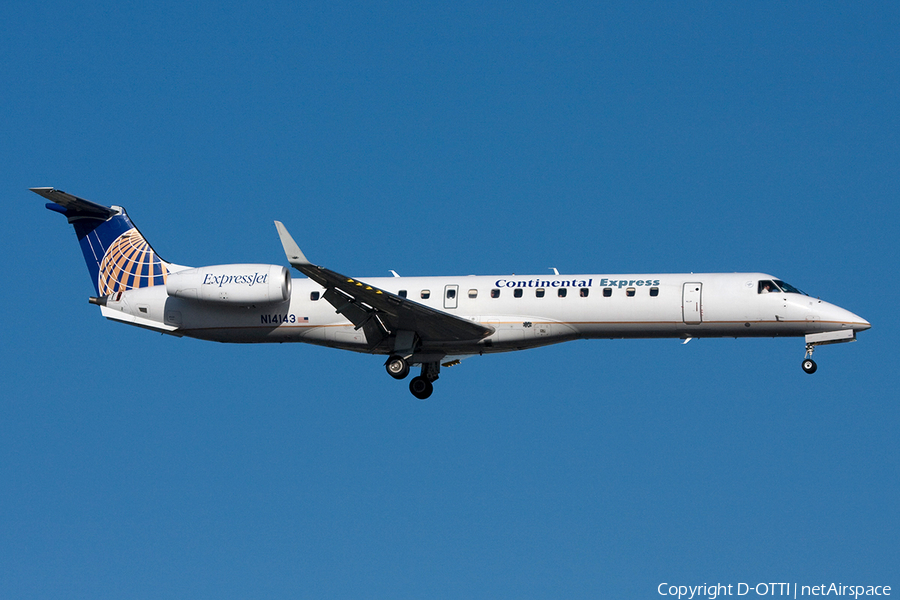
[524,311]
[430,322]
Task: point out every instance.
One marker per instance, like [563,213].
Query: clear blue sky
[450,139]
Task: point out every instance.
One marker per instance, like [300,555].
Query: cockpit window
[777,285]
[788,288]
[766,286]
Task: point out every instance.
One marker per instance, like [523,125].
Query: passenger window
[314,296]
[607,292]
[539,292]
[495,293]
[517,293]
[562,292]
[629,292]
[584,292]
[451,293]
[473,293]
[654,291]
[426,294]
[402,293]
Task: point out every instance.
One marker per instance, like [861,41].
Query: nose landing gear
[821,339]
[809,365]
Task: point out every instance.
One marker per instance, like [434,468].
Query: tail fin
[117,255]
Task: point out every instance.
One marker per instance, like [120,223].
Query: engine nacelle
[232,284]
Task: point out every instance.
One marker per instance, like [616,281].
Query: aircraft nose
[846,319]
[855,322]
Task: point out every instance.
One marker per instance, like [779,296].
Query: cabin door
[691,308]
[450,293]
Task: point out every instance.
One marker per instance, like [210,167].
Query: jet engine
[232,284]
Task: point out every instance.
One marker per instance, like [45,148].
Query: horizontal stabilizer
[73,205]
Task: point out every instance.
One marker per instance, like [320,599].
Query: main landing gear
[420,386]
[397,367]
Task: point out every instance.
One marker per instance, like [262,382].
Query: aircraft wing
[378,311]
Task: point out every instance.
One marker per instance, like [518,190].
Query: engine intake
[232,284]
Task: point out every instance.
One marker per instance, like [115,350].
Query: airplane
[429,322]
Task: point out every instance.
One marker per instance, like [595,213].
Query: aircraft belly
[629,329]
[521,332]
[346,337]
[280,322]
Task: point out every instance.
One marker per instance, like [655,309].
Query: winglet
[291,249]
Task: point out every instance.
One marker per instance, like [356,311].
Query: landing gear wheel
[397,367]
[420,387]
[809,365]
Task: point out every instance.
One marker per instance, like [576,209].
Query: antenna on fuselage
[555,271]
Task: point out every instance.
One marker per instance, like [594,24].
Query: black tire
[397,367]
[420,387]
[809,365]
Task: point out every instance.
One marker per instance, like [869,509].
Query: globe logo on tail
[130,263]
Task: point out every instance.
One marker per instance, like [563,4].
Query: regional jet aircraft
[430,322]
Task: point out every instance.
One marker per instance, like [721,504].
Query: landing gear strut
[397,365]
[809,365]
